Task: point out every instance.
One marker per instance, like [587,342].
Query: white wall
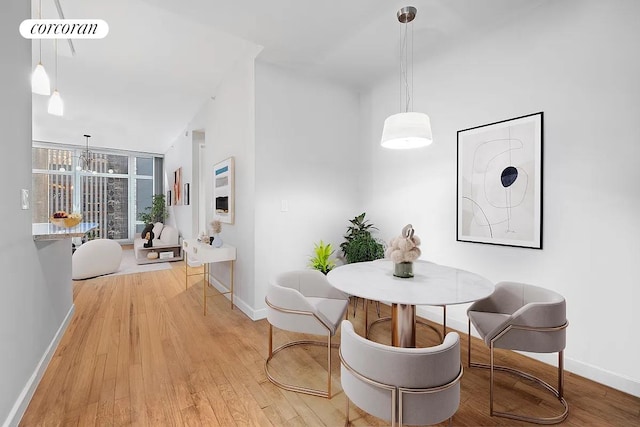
[229,131]
[179,155]
[182,153]
[307,145]
[577,61]
[36,302]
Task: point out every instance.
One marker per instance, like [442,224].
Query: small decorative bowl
[66,222]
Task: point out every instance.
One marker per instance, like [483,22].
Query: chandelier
[85,160]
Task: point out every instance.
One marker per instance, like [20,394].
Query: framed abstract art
[499,194]
[224,191]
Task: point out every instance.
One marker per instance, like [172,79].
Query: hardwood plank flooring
[138,351]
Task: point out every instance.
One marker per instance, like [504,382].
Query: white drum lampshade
[406,130]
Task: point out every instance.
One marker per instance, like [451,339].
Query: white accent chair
[304,301]
[524,318]
[96,258]
[410,386]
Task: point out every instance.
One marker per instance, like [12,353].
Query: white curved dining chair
[304,301]
[522,317]
[410,386]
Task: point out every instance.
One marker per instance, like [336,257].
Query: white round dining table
[432,284]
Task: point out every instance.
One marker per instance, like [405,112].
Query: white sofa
[165,237]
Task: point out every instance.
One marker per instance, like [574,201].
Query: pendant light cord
[40,40]
[404,69]
[412,66]
[55,44]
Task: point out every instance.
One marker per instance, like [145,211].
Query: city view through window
[108,189]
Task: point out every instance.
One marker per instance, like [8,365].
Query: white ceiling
[139,87]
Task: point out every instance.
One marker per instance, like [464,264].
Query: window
[110,189]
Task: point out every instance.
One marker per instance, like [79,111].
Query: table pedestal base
[403,325]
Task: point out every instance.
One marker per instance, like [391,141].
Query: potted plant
[321,260]
[359,244]
[157,212]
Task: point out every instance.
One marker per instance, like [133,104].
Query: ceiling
[139,87]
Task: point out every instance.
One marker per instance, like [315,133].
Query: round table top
[432,284]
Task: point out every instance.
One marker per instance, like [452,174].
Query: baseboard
[20,406]
[249,311]
[602,376]
[594,373]
[260,314]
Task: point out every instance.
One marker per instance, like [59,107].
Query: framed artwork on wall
[187,194]
[223,191]
[177,187]
[499,194]
[169,198]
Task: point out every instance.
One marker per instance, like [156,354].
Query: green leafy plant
[321,260]
[157,212]
[359,244]
[358,226]
[364,247]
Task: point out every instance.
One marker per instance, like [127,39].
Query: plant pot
[404,270]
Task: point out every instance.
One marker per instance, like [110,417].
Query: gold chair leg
[469,345]
[493,367]
[347,423]
[329,366]
[295,388]
[557,393]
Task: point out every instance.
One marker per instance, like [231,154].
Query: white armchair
[411,386]
[525,318]
[304,301]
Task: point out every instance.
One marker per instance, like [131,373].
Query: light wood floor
[139,352]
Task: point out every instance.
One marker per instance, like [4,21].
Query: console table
[207,254]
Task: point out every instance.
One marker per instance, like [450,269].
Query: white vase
[217,241]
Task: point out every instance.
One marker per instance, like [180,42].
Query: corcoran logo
[64,29]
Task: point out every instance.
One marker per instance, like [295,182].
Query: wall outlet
[24,198]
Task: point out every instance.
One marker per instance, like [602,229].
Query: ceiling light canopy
[407,129]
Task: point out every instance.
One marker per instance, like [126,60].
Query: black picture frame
[169,198]
[187,194]
[500,182]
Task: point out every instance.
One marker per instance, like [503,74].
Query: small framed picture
[224,190]
[187,194]
[169,198]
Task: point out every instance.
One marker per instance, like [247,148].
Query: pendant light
[39,79]
[407,129]
[85,160]
[56,106]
